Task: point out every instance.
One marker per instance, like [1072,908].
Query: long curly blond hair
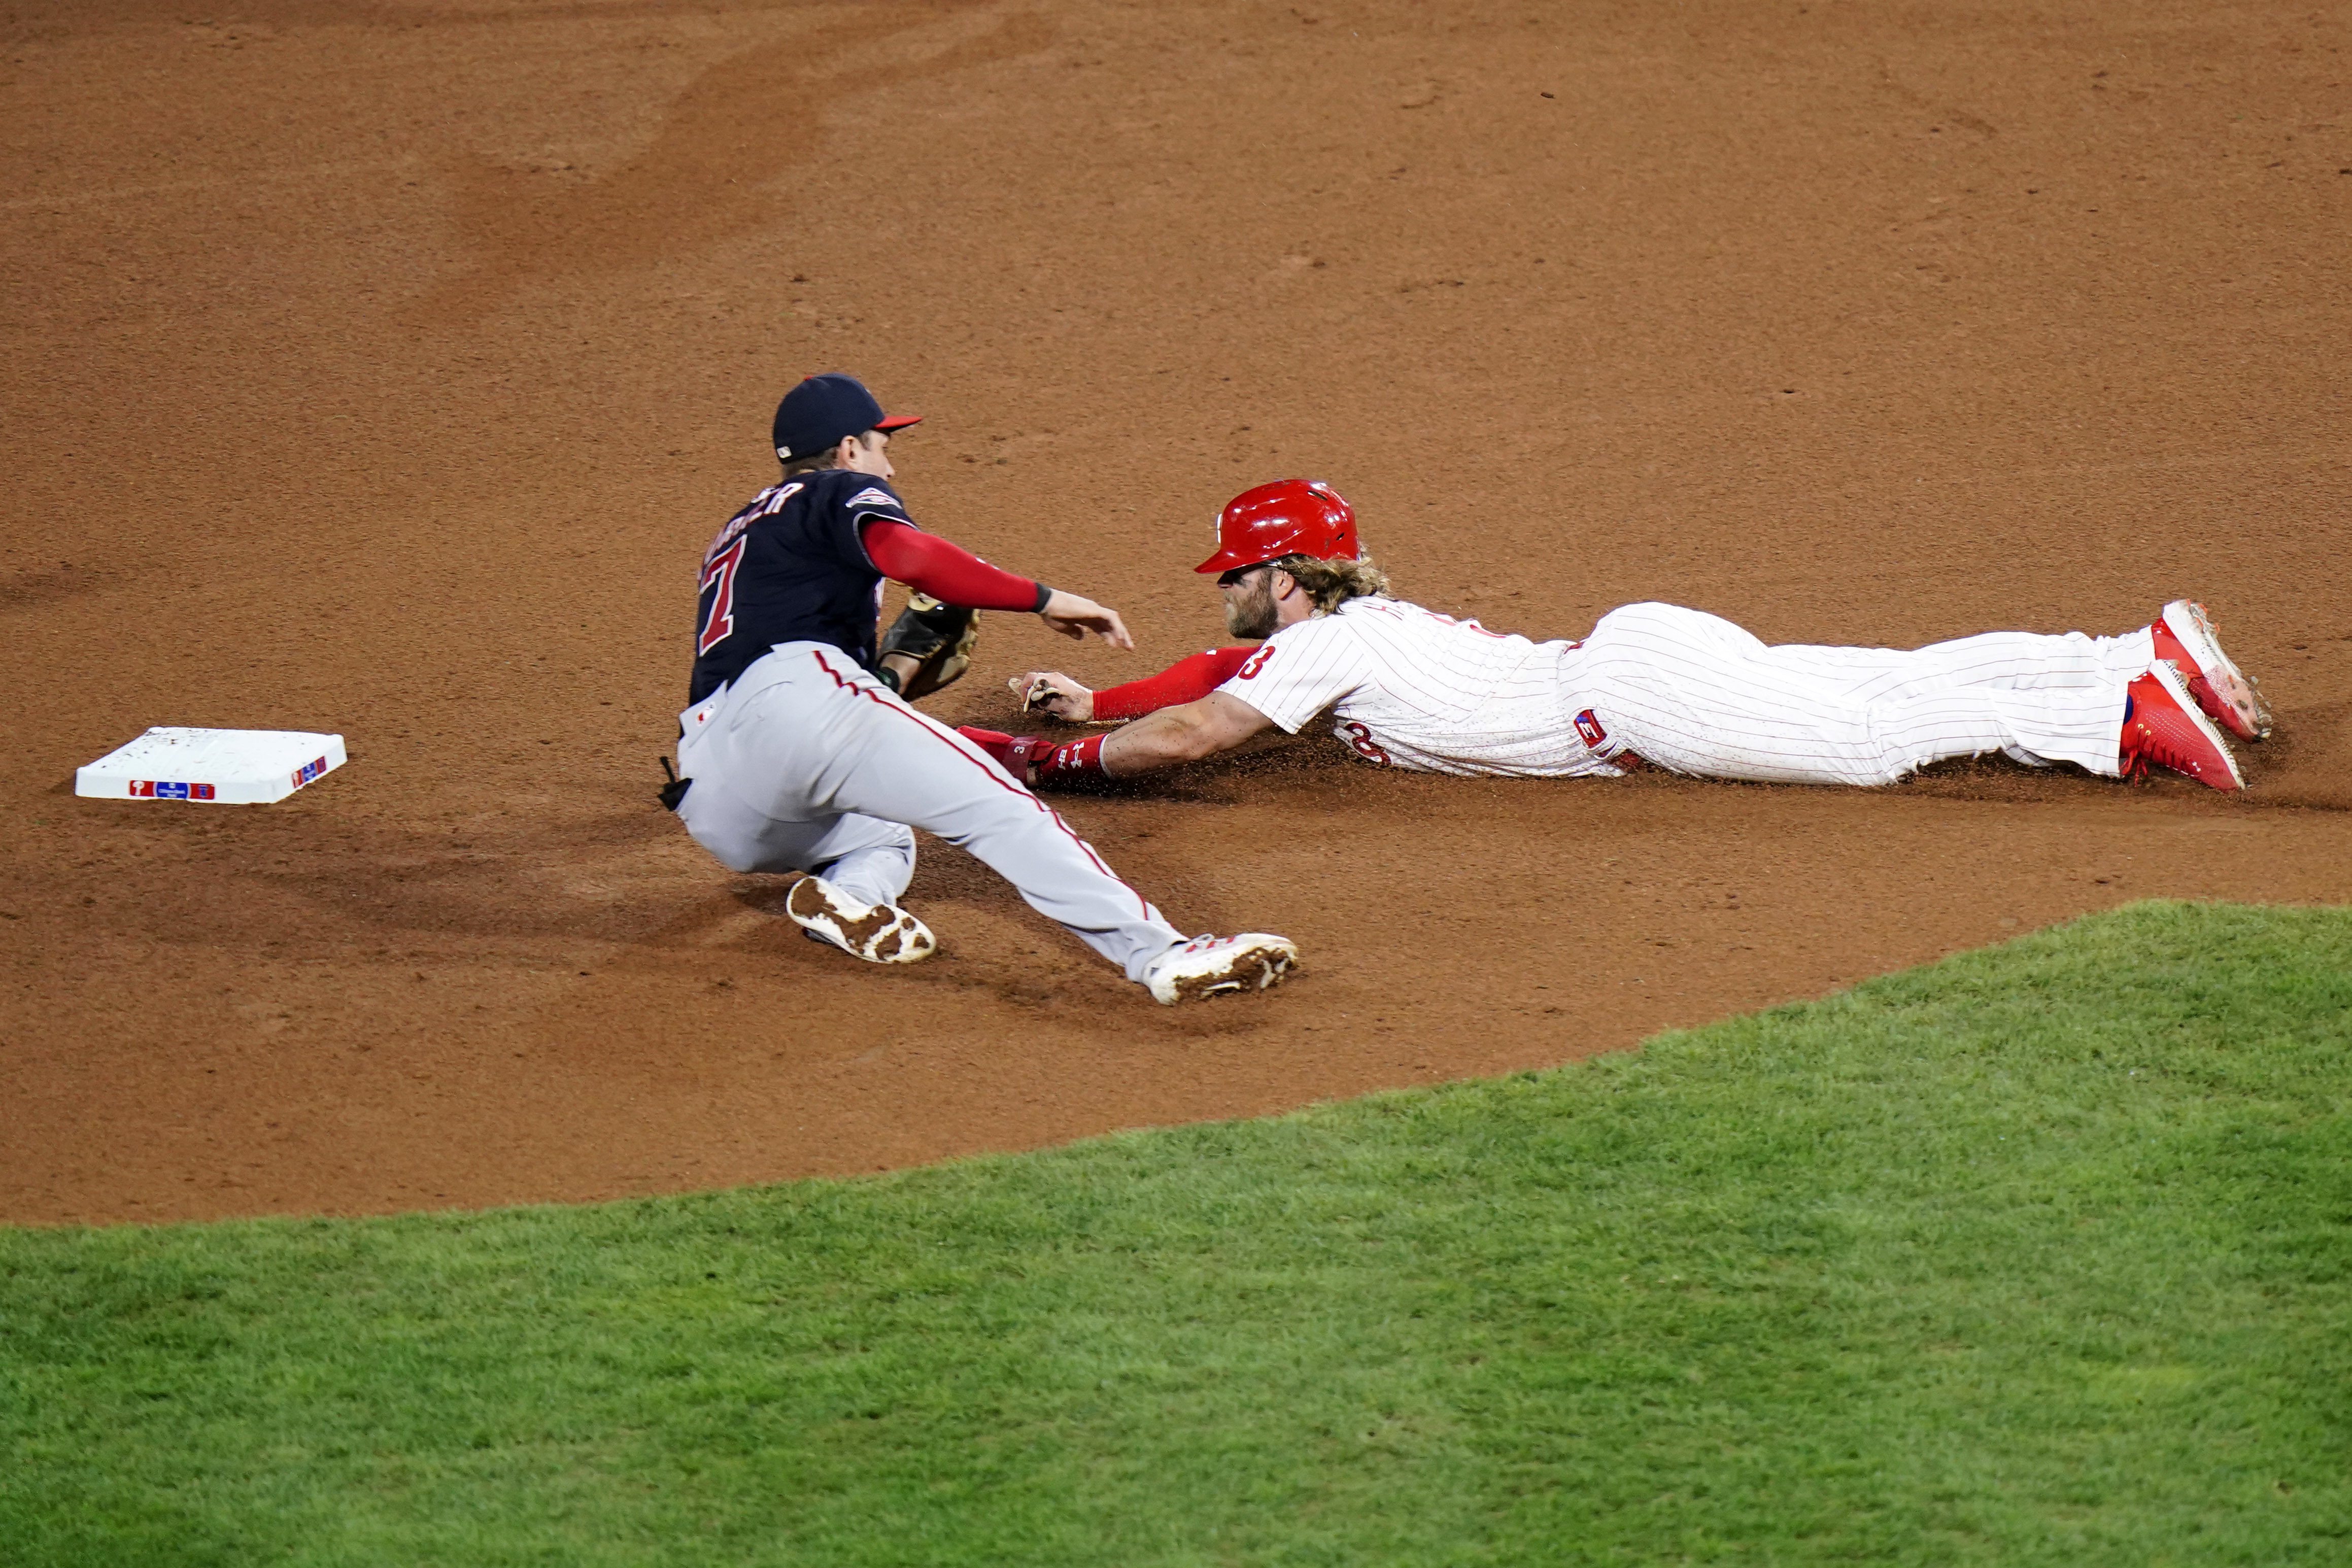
[1331,583]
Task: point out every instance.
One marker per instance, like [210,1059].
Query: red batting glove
[1017,755]
[1034,759]
[997,744]
[993,742]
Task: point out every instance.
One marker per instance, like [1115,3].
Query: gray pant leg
[867,859]
[873,873]
[807,735]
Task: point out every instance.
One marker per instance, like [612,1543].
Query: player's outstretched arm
[1186,680]
[953,576]
[1217,722]
[1073,618]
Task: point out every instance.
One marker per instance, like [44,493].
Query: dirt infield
[385,368]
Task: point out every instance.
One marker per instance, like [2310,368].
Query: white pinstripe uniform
[1689,692]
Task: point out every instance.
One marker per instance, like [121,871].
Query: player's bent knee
[733,854]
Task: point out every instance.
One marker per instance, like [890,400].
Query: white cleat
[1208,965]
[878,934]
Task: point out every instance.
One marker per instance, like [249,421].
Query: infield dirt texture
[385,368]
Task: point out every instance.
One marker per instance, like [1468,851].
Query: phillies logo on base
[308,772]
[165,789]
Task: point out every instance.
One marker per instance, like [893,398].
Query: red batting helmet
[1289,517]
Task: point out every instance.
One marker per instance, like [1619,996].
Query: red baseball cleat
[2162,726]
[2186,635]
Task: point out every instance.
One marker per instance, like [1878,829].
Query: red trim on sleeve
[1186,680]
[929,564]
[1080,759]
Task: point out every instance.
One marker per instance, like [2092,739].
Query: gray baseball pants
[805,762]
[1693,693]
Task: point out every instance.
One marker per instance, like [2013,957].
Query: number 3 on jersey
[718,620]
[1360,738]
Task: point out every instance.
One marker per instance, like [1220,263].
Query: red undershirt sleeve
[953,576]
[1186,680]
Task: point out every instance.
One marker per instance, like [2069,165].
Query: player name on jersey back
[790,567]
[1413,689]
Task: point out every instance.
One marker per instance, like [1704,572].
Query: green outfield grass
[2040,1255]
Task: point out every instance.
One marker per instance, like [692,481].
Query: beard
[1252,615]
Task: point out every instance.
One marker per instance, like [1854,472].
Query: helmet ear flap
[1339,520]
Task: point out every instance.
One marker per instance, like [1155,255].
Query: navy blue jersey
[789,567]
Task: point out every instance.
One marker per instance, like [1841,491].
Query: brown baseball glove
[939,639]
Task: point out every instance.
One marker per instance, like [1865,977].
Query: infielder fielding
[798,749]
[1656,684]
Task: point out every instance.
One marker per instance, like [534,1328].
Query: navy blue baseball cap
[816,415]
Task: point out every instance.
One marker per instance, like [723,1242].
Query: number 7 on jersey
[718,620]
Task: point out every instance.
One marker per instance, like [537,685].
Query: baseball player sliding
[1656,684]
[798,751]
